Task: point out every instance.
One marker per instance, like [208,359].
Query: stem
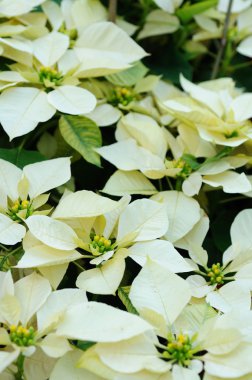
[178,185]
[223,42]
[239,197]
[160,185]
[78,266]
[169,183]
[240,66]
[20,365]
[112,10]
[9,254]
[4,248]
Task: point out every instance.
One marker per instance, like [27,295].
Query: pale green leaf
[132,182]
[83,135]
[128,77]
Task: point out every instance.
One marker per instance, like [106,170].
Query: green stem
[240,66]
[160,185]
[10,253]
[178,185]
[239,197]
[4,248]
[78,266]
[20,365]
[169,183]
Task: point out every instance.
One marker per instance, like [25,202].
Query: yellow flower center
[215,274]
[18,206]
[22,336]
[186,169]
[50,77]
[180,349]
[122,95]
[99,245]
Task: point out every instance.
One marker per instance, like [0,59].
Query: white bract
[216,109]
[55,62]
[17,7]
[22,193]
[141,221]
[24,107]
[226,286]
[141,146]
[30,312]
[105,238]
[215,171]
[196,328]
[71,17]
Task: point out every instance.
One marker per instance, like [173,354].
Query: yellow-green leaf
[83,135]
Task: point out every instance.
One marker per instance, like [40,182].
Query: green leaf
[187,12]
[21,157]
[128,77]
[83,135]
[123,295]
[84,345]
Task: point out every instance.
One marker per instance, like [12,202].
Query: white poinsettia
[195,338]
[29,315]
[23,193]
[215,171]
[216,109]
[105,239]
[141,221]
[55,89]
[52,254]
[226,285]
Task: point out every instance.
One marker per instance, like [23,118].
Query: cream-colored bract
[27,186]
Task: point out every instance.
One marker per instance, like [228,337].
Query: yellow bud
[13,328]
[102,239]
[181,338]
[26,332]
[124,91]
[20,330]
[96,238]
[219,279]
[25,203]
[107,243]
[216,271]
